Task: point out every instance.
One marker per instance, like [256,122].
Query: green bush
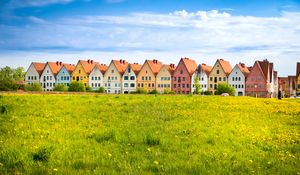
[153,92]
[140,91]
[76,86]
[60,87]
[207,93]
[8,85]
[168,91]
[33,87]
[100,90]
[89,89]
[225,88]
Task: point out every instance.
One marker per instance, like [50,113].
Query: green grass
[147,134]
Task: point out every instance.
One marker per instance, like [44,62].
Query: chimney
[56,62]
[123,61]
[242,64]
[203,64]
[88,61]
[221,59]
[92,61]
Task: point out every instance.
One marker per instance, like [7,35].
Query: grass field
[147,134]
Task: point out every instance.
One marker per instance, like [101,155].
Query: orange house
[146,78]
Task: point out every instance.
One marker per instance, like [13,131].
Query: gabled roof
[190,65]
[55,67]
[88,65]
[264,66]
[225,66]
[121,65]
[101,67]
[154,65]
[171,68]
[206,68]
[135,67]
[244,69]
[69,67]
[39,67]
[298,69]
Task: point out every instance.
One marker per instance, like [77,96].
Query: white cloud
[203,35]
[35,3]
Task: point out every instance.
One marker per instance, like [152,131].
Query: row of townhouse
[119,76]
[290,85]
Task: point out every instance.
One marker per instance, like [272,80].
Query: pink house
[260,81]
[182,79]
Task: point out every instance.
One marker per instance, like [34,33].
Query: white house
[113,76]
[129,78]
[34,72]
[237,78]
[96,76]
[48,77]
[202,72]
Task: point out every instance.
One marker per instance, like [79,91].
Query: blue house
[64,74]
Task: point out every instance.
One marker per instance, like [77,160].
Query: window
[99,84]
[224,78]
[218,72]
[210,85]
[99,78]
[138,84]
[183,78]
[239,86]
[158,85]
[149,78]
[112,71]
[179,80]
[92,78]
[152,84]
[169,78]
[47,77]
[116,85]
[239,78]
[68,78]
[202,79]
[187,85]
[28,77]
[183,85]
[174,78]
[181,71]
[220,79]
[81,78]
[211,78]
[73,78]
[149,85]
[178,85]
[242,86]
[95,78]
[174,85]
[116,78]
[34,77]
[132,85]
[112,78]
[142,84]
[146,78]
[125,77]
[92,84]
[129,70]
[79,71]
[132,78]
[142,78]
[232,78]
[125,84]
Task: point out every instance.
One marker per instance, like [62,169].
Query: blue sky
[205,30]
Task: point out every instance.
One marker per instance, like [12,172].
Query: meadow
[148,134]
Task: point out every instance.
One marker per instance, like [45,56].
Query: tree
[33,87]
[100,90]
[19,73]
[76,86]
[225,88]
[8,85]
[197,85]
[60,87]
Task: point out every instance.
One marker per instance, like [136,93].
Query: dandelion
[155,162]
[269,163]
[250,161]
[148,149]
[109,155]
[55,169]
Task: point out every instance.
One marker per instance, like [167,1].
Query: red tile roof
[205,68]
[101,67]
[244,69]
[88,65]
[121,65]
[69,67]
[171,68]
[55,67]
[190,65]
[136,67]
[298,70]
[154,65]
[39,67]
[265,67]
[225,66]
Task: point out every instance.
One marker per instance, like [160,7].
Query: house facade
[146,78]
[237,78]
[34,72]
[219,74]
[183,76]
[164,78]
[298,79]
[48,77]
[113,76]
[82,71]
[64,74]
[259,81]
[129,83]
[96,77]
[203,71]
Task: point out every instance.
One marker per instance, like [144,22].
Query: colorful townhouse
[96,77]
[48,77]
[164,78]
[129,78]
[82,71]
[237,78]
[298,79]
[219,74]
[202,72]
[283,86]
[260,81]
[113,76]
[183,76]
[64,74]
[146,78]
[34,72]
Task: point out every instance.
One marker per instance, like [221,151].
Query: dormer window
[218,72]
[79,71]
[112,71]
[181,71]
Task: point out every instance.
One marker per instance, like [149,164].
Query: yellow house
[218,74]
[146,78]
[83,70]
[164,78]
[298,79]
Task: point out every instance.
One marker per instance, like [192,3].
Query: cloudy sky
[205,30]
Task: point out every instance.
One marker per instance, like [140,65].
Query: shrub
[60,87]
[33,87]
[88,89]
[140,91]
[197,86]
[225,88]
[153,92]
[100,90]
[207,93]
[8,85]
[76,86]
[43,154]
